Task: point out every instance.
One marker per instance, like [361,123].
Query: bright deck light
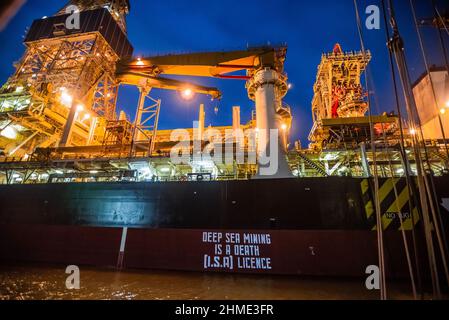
[66,99]
[187,94]
[9,132]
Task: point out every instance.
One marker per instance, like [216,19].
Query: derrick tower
[339,98]
[64,88]
[337,90]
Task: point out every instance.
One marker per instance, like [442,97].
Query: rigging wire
[389,152]
[440,35]
[441,18]
[423,52]
[379,229]
[396,45]
[394,181]
[432,205]
[411,190]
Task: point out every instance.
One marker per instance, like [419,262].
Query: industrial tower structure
[58,117]
[338,91]
[60,104]
[64,88]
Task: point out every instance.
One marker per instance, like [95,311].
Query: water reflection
[48,282]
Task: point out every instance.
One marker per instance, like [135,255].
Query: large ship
[83,184]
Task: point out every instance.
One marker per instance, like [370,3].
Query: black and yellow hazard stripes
[392,205]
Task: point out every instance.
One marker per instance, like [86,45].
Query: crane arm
[145,80]
[147,71]
[207,64]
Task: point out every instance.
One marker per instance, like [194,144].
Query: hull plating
[290,226]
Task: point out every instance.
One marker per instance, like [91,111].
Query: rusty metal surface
[59,244]
[329,253]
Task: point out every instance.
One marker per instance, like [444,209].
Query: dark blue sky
[308,27]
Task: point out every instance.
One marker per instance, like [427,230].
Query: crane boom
[146,80]
[145,72]
[207,64]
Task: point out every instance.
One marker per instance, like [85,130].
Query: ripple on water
[48,282]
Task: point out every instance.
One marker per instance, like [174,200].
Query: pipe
[265,84]
[23,143]
[93,126]
[201,121]
[223,76]
[68,126]
[235,118]
[141,105]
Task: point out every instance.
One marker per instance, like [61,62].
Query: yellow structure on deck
[59,123]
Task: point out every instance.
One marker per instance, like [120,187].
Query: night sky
[308,27]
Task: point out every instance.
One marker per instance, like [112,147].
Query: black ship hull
[310,226]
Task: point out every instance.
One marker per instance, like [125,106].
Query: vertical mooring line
[121,253]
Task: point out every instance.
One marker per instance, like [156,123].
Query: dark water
[25,282]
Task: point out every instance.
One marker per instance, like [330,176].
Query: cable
[441,18]
[421,44]
[440,36]
[380,242]
[432,205]
[406,170]
[396,45]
